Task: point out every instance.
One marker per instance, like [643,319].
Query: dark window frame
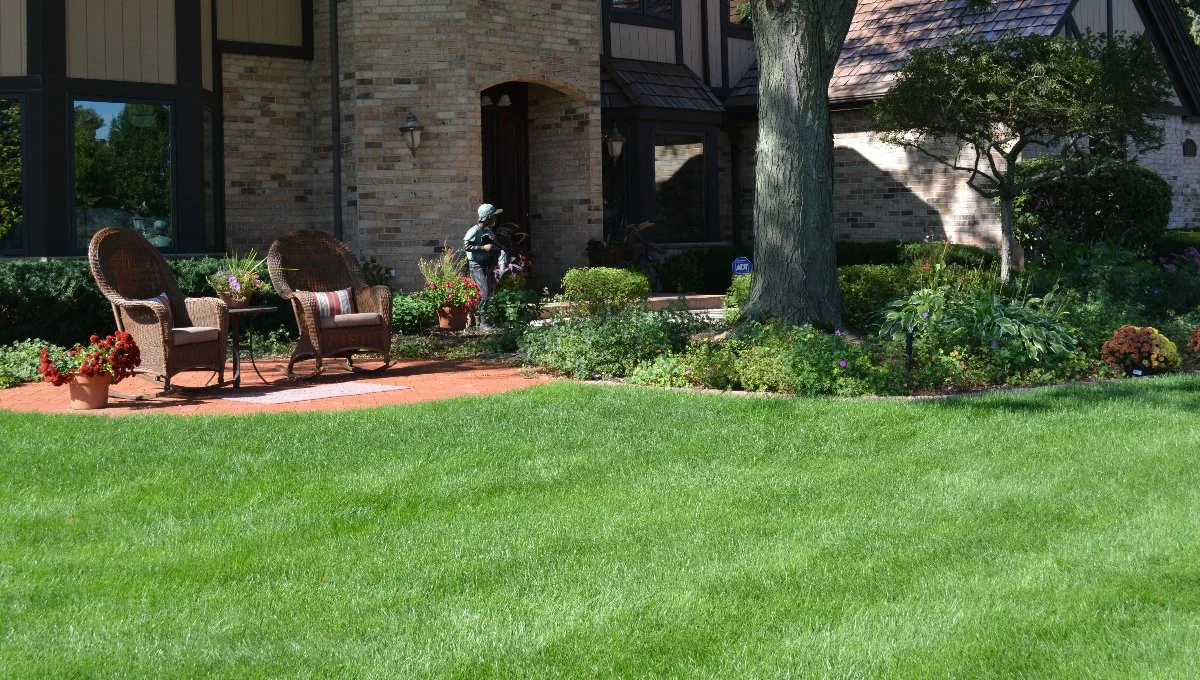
[75,96]
[24,250]
[711,174]
[639,18]
[733,30]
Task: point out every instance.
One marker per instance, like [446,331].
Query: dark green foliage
[140,142]
[948,253]
[11,196]
[93,161]
[1090,200]
[58,300]
[1175,241]
[682,272]
[411,313]
[606,344]
[868,288]
[805,361]
[599,288]
[375,274]
[736,296]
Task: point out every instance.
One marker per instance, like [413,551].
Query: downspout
[335,114]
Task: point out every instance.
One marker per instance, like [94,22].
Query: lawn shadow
[1181,394]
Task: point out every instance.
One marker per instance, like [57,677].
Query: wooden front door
[506,151]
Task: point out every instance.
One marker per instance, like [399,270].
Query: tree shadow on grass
[1175,393]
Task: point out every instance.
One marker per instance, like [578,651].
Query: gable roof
[884,32]
[651,84]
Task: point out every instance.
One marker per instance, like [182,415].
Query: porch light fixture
[412,133]
[614,141]
[504,101]
[486,101]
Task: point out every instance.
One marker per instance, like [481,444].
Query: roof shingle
[630,82]
[884,32]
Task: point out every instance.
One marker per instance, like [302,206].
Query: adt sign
[742,266]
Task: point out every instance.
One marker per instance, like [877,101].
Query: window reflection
[123,170]
[679,196]
[12,193]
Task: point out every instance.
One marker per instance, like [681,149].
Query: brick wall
[268,130]
[885,193]
[1183,172]
[433,60]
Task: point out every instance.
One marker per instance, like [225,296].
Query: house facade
[220,124]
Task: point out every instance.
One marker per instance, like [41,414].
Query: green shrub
[412,312]
[868,288]
[375,274]
[512,308]
[599,288]
[1175,241]
[606,344]
[19,361]
[1095,200]
[58,300]
[682,272]
[713,364]
[736,296]
[666,370]
[972,257]
[805,361]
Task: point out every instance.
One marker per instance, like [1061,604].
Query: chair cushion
[194,334]
[166,301]
[351,320]
[335,302]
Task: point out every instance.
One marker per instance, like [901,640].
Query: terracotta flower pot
[452,318]
[232,302]
[89,392]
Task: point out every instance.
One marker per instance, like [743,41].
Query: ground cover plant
[620,533]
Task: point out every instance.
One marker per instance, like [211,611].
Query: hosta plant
[1139,350]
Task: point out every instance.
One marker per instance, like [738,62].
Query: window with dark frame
[123,169]
[680,193]
[12,177]
[735,15]
[655,9]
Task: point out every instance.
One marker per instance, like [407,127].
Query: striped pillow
[166,302]
[334,303]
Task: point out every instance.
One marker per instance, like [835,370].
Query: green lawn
[574,530]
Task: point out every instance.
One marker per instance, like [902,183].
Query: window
[124,170]
[657,9]
[12,185]
[736,18]
[679,188]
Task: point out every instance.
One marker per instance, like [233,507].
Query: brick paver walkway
[429,380]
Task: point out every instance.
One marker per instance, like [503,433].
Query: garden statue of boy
[483,252]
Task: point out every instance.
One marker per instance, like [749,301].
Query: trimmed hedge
[597,288]
[58,300]
[1095,200]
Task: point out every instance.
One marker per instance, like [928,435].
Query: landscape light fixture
[614,141]
[412,133]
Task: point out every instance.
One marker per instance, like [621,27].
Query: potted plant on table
[88,370]
[453,295]
[239,278]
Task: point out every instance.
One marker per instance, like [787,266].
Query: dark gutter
[335,115]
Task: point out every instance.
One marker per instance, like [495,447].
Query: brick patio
[429,380]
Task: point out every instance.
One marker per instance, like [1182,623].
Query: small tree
[977,106]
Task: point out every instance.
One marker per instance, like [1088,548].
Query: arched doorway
[504,114]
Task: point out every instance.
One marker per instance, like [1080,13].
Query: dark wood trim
[1068,15]
[639,19]
[735,181]
[188,115]
[218,141]
[1072,29]
[1168,34]
[1109,17]
[605,20]
[47,110]
[678,29]
[265,50]
[669,116]
[705,66]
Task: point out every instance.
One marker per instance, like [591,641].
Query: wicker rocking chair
[184,335]
[304,263]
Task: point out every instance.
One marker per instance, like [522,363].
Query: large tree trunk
[795,272]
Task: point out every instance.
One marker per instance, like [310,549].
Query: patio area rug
[289,396]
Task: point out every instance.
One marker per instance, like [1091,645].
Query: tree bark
[1006,239]
[798,44]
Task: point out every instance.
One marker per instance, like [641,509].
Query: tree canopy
[978,106]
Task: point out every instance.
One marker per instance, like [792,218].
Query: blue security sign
[742,266]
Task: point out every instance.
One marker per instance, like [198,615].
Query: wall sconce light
[614,142]
[504,101]
[486,101]
[412,133]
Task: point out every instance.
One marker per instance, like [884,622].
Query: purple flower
[233,283]
[842,363]
[924,315]
[687,372]
[837,331]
